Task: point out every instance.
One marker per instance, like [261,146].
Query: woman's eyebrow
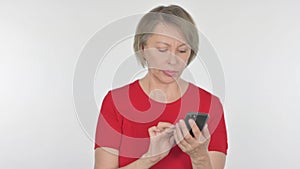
[165,43]
[183,44]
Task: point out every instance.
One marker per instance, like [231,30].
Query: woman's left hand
[196,147]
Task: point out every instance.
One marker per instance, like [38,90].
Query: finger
[205,132]
[180,143]
[184,129]
[170,129]
[177,139]
[195,129]
[187,136]
[172,140]
[178,132]
[181,138]
[164,125]
[153,131]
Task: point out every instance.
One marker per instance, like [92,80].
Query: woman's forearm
[203,162]
[142,163]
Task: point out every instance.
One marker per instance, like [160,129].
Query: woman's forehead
[166,40]
[168,34]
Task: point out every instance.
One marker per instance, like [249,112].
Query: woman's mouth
[170,73]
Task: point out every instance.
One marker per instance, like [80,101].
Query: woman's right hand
[161,141]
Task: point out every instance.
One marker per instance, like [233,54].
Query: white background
[40,41]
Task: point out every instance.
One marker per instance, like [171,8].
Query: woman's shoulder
[124,89]
[202,91]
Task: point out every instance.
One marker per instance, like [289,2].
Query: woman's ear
[143,50]
[142,47]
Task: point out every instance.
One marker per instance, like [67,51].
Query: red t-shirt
[127,113]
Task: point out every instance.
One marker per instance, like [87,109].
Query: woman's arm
[217,159]
[214,160]
[161,141]
[107,158]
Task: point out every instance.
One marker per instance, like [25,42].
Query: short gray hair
[174,15]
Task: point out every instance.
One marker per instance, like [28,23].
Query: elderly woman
[140,125]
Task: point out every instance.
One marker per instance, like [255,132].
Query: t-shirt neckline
[169,103]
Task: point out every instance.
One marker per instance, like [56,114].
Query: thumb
[153,131]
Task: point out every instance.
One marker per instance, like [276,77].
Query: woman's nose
[172,58]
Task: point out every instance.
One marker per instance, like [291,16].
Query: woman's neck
[163,92]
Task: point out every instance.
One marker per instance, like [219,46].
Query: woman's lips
[170,73]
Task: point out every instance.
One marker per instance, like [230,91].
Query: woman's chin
[168,79]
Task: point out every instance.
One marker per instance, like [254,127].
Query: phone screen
[199,118]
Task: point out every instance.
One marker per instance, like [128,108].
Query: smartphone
[199,118]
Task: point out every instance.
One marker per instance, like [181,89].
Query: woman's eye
[162,50]
[182,51]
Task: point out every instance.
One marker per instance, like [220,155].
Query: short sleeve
[218,140]
[109,126]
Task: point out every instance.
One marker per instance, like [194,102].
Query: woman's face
[166,53]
